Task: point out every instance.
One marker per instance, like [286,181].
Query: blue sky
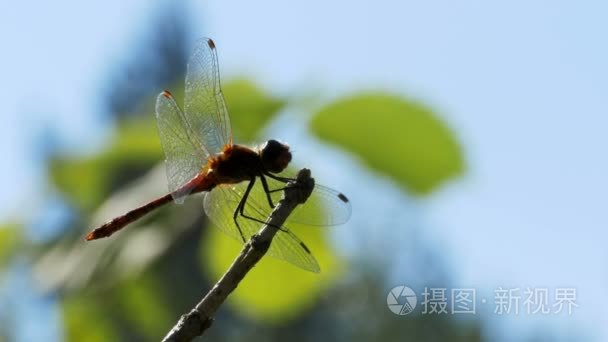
[522,83]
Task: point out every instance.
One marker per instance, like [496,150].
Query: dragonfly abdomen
[120,222]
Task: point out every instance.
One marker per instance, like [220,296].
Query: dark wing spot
[343,198]
[304,246]
[211,43]
[167,94]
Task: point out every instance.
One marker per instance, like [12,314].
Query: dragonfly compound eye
[275,156]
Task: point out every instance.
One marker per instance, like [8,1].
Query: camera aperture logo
[401,300]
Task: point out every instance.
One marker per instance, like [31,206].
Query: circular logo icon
[401,300]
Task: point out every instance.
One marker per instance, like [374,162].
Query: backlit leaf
[274,291]
[398,137]
[84,320]
[250,108]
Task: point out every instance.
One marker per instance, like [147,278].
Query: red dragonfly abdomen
[119,222]
[202,182]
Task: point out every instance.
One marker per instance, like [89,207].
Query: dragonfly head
[275,156]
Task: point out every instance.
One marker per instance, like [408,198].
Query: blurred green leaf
[84,320]
[10,241]
[250,108]
[399,137]
[86,181]
[142,301]
[274,291]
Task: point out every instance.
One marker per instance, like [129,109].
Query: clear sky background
[523,84]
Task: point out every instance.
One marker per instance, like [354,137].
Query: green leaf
[250,108]
[84,320]
[274,291]
[10,241]
[398,137]
[141,299]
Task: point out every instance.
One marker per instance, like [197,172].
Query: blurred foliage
[250,108]
[85,320]
[143,307]
[86,181]
[353,310]
[10,242]
[395,136]
[274,291]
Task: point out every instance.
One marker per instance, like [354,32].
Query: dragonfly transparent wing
[220,205]
[184,158]
[324,207]
[206,113]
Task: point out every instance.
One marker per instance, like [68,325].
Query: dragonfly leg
[279,178]
[239,208]
[261,221]
[267,191]
[281,189]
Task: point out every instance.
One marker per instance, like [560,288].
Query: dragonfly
[202,158]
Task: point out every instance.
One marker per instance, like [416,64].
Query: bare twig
[200,318]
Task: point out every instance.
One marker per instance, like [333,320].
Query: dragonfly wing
[324,207]
[287,246]
[206,113]
[220,205]
[184,159]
